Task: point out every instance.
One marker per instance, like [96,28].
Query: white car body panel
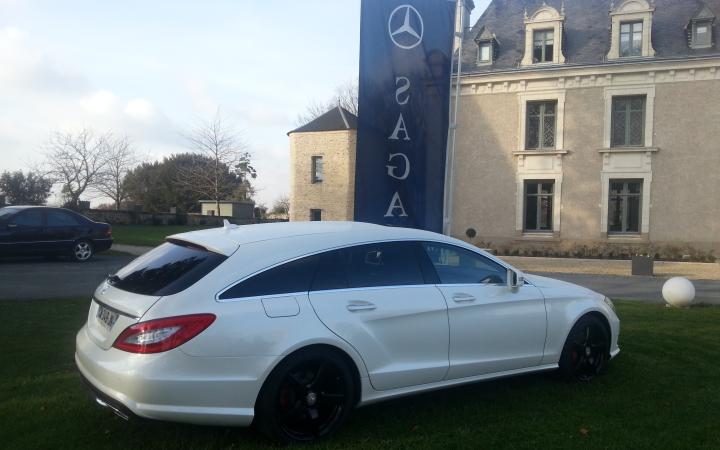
[494,329]
[403,343]
[417,338]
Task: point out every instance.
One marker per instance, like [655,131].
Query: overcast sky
[150,69]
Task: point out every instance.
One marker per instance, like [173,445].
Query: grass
[148,235]
[661,392]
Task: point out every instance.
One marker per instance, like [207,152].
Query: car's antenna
[228,226]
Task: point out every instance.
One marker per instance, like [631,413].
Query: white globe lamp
[678,292]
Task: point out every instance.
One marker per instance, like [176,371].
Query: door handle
[360,306]
[463,298]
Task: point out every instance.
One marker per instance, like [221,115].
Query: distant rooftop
[336,119]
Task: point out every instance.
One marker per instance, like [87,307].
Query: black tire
[586,350]
[307,397]
[82,251]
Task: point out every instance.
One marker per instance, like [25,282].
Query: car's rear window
[166,270]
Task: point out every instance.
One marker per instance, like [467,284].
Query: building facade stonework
[589,129]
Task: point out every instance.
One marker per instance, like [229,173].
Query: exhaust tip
[117,412]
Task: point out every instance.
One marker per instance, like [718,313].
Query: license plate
[106,317]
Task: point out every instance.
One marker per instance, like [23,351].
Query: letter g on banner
[406,27]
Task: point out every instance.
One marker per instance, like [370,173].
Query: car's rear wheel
[586,350]
[82,250]
[306,398]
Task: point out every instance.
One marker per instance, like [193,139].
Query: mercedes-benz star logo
[406,30]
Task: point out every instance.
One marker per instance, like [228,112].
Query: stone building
[590,128]
[322,157]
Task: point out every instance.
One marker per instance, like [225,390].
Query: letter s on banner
[402,89]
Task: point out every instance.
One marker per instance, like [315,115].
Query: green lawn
[663,391]
[148,235]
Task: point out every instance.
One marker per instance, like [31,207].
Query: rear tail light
[108,233]
[161,335]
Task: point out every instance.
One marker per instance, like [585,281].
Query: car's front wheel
[82,250]
[306,398]
[586,350]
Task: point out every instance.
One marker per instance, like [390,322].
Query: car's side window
[294,276]
[32,218]
[60,219]
[383,264]
[456,265]
[331,273]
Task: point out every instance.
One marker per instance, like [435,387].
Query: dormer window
[700,29]
[543,36]
[485,52]
[487,46]
[631,39]
[631,30]
[543,46]
[702,34]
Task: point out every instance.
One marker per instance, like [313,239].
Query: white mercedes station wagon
[289,326]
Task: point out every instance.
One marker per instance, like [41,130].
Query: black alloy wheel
[306,398]
[586,350]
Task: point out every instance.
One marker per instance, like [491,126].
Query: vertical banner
[404,96]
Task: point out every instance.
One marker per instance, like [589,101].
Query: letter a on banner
[404,95]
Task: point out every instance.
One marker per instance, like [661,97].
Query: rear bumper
[101,245]
[171,386]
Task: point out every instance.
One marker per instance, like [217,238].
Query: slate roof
[336,119]
[587,31]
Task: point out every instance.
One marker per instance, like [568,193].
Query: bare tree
[281,207]
[223,161]
[121,158]
[76,161]
[346,96]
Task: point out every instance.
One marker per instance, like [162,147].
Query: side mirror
[514,279]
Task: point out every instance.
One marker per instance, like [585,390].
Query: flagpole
[453,111]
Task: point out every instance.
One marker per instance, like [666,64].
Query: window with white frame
[631,29]
[540,125]
[543,46]
[625,206]
[544,37]
[539,207]
[628,121]
[631,39]
[629,116]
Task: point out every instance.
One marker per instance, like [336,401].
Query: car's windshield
[166,270]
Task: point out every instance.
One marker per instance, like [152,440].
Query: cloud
[101,102]
[26,68]
[140,109]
